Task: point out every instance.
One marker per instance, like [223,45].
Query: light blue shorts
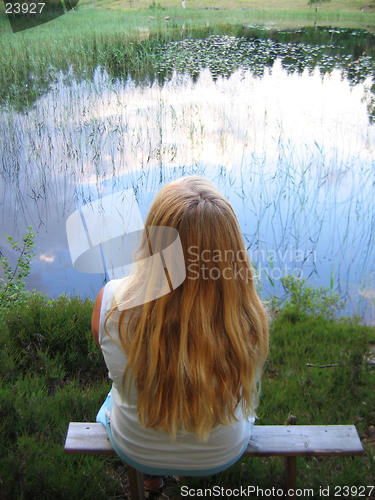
[104,417]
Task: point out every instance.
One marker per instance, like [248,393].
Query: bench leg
[136,483]
[290,474]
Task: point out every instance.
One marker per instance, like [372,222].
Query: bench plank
[297,440]
[88,438]
[266,440]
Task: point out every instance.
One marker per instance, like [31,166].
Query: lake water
[292,150]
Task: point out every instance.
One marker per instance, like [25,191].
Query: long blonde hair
[196,353]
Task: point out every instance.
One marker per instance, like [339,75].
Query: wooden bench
[288,441]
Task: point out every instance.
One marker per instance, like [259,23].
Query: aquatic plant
[30,63]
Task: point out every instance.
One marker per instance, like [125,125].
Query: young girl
[185,366]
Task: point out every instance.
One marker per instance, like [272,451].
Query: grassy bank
[51,372]
[102,32]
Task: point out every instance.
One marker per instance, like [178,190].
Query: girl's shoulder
[111,293]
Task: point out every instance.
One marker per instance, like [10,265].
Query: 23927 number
[353,491]
[24,8]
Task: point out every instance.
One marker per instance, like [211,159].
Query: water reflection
[298,51]
[294,154]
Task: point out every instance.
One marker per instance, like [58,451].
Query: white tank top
[154,448]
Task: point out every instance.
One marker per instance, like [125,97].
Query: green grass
[51,372]
[105,32]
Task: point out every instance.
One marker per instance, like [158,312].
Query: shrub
[13,283]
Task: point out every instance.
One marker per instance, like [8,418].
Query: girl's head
[196,352]
[207,226]
[213,252]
